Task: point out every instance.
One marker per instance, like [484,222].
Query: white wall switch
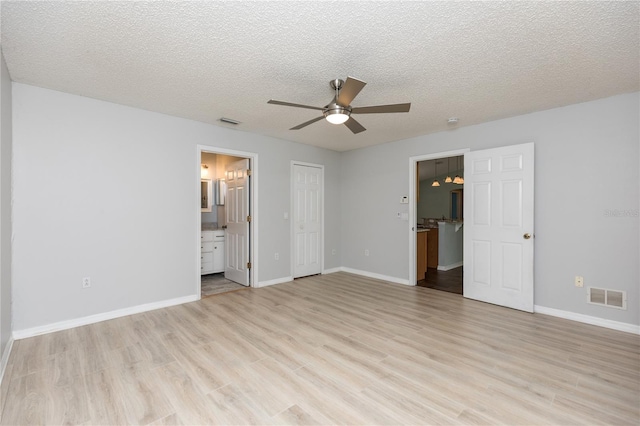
[404,216]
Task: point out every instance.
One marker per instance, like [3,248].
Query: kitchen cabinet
[421,253]
[432,248]
[211,252]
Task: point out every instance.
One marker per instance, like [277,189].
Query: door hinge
[248,218]
[248,172]
[248,265]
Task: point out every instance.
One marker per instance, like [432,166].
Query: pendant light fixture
[458,180]
[435,173]
[448,178]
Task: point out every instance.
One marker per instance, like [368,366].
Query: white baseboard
[274,282]
[587,319]
[331,271]
[5,358]
[91,319]
[449,267]
[376,276]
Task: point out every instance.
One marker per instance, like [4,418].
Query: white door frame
[253,200]
[413,167]
[291,207]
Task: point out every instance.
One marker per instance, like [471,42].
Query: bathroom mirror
[206,189]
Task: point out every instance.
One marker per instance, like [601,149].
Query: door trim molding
[291,230]
[413,205]
[253,200]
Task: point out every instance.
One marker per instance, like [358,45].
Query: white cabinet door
[237,212]
[206,252]
[218,257]
[498,226]
[307,220]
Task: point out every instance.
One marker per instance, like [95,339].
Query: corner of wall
[6,201]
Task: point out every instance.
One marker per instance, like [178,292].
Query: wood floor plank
[327,349]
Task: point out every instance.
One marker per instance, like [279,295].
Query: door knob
[526,236]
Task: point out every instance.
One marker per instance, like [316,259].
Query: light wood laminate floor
[332,349]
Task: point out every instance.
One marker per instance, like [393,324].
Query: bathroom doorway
[219,251]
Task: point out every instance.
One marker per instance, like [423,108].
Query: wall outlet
[276,256]
[579,281]
[86,282]
[366,252]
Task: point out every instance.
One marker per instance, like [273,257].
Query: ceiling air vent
[229,120]
[607,297]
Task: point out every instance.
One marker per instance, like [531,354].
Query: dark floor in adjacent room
[450,281]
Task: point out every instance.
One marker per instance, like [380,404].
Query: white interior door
[307,220]
[237,177]
[498,226]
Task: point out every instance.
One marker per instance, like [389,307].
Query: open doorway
[436,215]
[225,246]
[439,219]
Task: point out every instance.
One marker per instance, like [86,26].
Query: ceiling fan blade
[354,126]
[381,109]
[293,105]
[306,123]
[349,90]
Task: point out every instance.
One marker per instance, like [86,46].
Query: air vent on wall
[607,297]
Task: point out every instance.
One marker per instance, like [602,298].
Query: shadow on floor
[216,283]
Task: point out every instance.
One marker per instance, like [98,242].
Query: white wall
[592,145]
[5,206]
[84,187]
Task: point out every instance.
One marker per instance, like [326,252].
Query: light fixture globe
[335,114]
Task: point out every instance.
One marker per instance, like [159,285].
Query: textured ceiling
[478,61]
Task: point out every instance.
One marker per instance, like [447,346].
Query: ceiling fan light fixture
[337,115]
